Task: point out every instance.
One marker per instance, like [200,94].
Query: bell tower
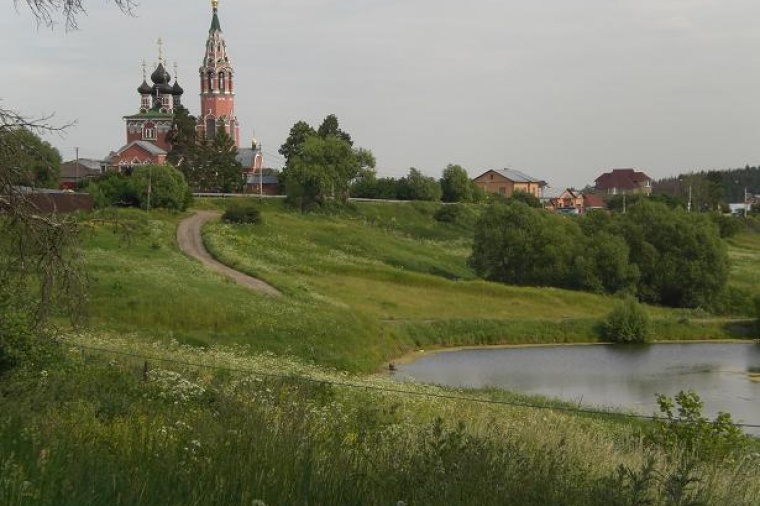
[217,86]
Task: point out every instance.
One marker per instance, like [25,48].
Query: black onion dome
[177,89]
[144,88]
[160,75]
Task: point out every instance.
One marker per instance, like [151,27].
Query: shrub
[689,431]
[242,212]
[728,225]
[448,214]
[627,323]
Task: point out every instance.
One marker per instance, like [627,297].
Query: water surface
[607,375]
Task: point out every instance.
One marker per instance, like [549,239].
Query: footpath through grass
[360,288]
[189,389]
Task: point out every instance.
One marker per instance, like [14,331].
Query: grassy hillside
[182,393]
[360,288]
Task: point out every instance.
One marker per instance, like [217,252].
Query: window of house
[502,190]
[222,82]
[209,82]
[149,133]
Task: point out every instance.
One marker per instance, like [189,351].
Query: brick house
[569,201]
[507,181]
[623,181]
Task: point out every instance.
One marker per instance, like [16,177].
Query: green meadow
[185,388]
[360,287]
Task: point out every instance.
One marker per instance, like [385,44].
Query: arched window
[209,82]
[222,83]
[149,132]
[210,128]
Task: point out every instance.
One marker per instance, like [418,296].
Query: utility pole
[76,173]
[150,176]
[261,175]
[688,206]
[746,210]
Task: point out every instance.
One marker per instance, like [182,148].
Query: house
[262,184]
[623,181]
[592,201]
[135,153]
[570,201]
[508,181]
[78,171]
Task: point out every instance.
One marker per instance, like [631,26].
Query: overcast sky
[560,89]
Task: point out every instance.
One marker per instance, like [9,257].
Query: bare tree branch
[48,12]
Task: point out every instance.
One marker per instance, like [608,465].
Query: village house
[572,201]
[74,173]
[508,181]
[623,181]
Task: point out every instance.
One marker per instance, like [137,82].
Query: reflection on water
[608,375]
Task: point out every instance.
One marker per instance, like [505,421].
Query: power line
[569,409]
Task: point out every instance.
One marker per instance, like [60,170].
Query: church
[147,131]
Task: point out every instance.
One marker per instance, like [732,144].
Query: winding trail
[190,242]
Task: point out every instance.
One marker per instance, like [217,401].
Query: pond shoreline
[413,356]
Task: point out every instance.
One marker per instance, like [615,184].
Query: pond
[617,376]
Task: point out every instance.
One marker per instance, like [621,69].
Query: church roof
[215,26]
[151,113]
[246,156]
[145,145]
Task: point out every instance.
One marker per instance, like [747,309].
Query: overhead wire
[570,409]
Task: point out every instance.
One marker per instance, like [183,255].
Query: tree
[526,198]
[517,244]
[160,186]
[680,256]
[323,169]
[212,166]
[183,137]
[37,162]
[330,126]
[417,186]
[40,272]
[456,185]
[323,164]
[226,169]
[113,189]
[294,143]
[48,12]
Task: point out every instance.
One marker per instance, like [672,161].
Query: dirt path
[191,243]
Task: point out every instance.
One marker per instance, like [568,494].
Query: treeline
[659,254]
[323,166]
[454,186]
[711,190]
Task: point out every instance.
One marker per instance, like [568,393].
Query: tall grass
[95,429]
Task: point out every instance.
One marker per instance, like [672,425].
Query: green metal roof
[215,26]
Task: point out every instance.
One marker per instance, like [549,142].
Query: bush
[728,225]
[448,214]
[689,431]
[242,212]
[627,323]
